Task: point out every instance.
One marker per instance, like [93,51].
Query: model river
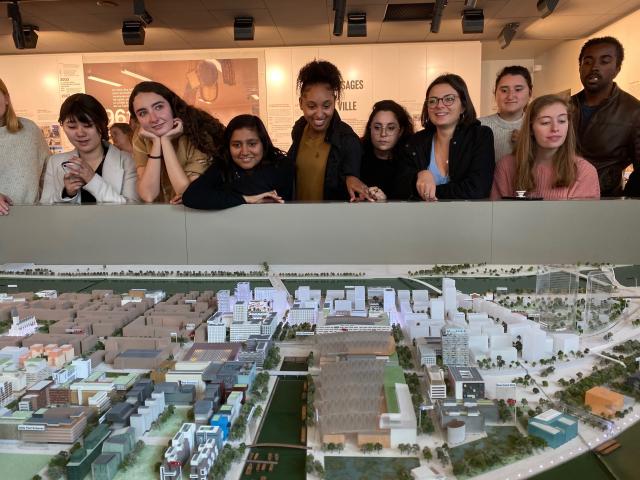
[282,425]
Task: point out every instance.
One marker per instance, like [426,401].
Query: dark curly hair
[271,154]
[606,41]
[402,116]
[204,131]
[85,109]
[458,84]
[320,72]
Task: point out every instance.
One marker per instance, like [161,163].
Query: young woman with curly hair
[174,144]
[326,151]
[251,170]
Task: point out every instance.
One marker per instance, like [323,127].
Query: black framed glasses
[447,100]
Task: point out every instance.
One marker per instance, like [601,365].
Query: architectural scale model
[456,371]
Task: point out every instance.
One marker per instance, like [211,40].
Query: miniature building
[216,329]
[80,461]
[634,381]
[436,384]
[212,352]
[456,432]
[466,382]
[55,425]
[6,393]
[554,427]
[455,346]
[603,401]
[255,349]
[468,412]
[176,393]
[182,446]
[427,355]
[22,327]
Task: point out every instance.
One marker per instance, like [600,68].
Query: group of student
[550,148]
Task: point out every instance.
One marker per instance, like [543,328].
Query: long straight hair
[564,164]
[10,118]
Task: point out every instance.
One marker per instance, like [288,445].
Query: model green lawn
[17,466]
[367,468]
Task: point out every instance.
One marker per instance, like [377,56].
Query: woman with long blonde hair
[545,164]
[23,152]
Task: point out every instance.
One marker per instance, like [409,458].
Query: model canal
[282,424]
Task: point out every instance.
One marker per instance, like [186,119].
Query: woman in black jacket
[251,170]
[453,157]
[388,128]
[326,151]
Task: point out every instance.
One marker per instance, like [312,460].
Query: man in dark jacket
[606,118]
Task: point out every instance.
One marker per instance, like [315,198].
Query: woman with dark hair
[326,151]
[23,152]
[512,92]
[95,171]
[545,163]
[388,127]
[251,170]
[174,143]
[122,136]
[453,157]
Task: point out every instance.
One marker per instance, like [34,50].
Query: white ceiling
[83,26]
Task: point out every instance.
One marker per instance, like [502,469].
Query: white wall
[560,64]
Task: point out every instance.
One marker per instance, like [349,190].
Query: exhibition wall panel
[391,233]
[358,233]
[94,235]
[566,232]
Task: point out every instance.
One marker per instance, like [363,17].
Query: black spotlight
[473,20]
[507,34]
[340,7]
[546,7]
[357,25]
[24,36]
[133,32]
[243,28]
[436,19]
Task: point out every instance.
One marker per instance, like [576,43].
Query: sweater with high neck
[22,157]
[502,132]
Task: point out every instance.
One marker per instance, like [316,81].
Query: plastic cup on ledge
[520,193]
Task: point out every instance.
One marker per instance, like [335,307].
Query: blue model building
[554,427]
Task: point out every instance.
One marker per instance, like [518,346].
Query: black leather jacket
[471,163]
[611,140]
[344,156]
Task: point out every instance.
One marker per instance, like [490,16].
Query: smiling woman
[174,143]
[453,157]
[95,171]
[251,170]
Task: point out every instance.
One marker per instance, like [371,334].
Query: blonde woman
[545,163]
[23,152]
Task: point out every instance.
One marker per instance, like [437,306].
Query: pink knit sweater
[585,186]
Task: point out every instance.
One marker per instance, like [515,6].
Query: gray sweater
[22,157]
[502,131]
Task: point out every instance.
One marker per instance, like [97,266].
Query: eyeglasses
[390,129]
[447,100]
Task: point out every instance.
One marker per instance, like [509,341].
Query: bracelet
[155,156]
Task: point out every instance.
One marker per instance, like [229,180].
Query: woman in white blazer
[96,171]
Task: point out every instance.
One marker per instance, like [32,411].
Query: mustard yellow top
[311,164]
[192,160]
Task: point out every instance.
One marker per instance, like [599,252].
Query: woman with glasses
[453,157]
[388,127]
[545,164]
[95,171]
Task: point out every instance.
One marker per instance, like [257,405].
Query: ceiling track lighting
[507,34]
[546,7]
[243,28]
[357,25]
[340,7]
[436,20]
[25,36]
[473,20]
[133,31]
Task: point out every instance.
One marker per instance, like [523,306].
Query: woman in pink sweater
[545,163]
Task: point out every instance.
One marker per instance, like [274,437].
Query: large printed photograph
[222,87]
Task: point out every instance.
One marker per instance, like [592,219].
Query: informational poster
[223,87]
